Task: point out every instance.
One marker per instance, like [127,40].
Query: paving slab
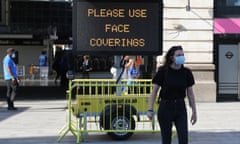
[38,122]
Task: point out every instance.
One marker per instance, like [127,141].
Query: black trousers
[173,112]
[11,89]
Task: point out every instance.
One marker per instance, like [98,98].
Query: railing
[102,105]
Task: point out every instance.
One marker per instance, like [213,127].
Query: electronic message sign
[117,27]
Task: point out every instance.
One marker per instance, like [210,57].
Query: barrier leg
[63,133]
[69,126]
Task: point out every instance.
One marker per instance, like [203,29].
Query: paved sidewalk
[38,122]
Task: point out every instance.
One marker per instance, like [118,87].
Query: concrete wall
[194,31]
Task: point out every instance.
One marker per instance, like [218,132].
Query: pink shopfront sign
[227,25]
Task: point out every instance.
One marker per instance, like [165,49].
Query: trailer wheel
[121,122]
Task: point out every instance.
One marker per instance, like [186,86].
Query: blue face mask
[180,60]
[13,55]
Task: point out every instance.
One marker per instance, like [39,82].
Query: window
[234,3]
[227,8]
[1,11]
[40,17]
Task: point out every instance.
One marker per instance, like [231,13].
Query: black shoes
[11,105]
[12,108]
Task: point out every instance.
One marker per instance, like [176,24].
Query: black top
[173,82]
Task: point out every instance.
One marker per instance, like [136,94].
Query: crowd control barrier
[102,105]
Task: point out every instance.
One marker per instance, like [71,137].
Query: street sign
[117,27]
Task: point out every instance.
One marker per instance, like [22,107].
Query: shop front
[227,46]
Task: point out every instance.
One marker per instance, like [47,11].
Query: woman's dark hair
[170,53]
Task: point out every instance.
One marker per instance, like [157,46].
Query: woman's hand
[150,114]
[193,118]
[192,104]
[150,111]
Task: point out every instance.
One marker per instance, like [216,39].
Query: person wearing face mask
[176,83]
[11,78]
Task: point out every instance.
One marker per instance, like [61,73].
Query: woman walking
[176,83]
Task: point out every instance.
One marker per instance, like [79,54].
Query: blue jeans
[173,112]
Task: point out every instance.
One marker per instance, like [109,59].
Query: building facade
[208,30]
[190,23]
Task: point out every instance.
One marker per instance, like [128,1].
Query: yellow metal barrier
[102,105]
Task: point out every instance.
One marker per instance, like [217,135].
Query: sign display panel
[117,27]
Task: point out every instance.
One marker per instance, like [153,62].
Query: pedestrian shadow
[138,137]
[5,113]
[229,137]
[93,138]
[195,137]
